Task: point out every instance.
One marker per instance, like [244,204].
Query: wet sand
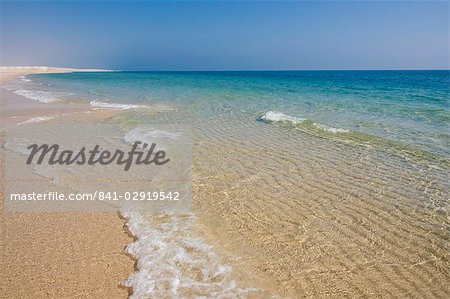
[17,109]
[59,255]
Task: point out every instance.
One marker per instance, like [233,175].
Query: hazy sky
[227,35]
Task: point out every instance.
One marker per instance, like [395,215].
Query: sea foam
[172,262]
[99,104]
[23,78]
[330,129]
[41,96]
[273,116]
[149,135]
[37,120]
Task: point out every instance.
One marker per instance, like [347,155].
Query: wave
[273,116]
[99,104]
[23,78]
[42,96]
[37,119]
[330,129]
[171,262]
[149,135]
[406,151]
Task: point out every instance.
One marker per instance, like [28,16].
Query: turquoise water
[408,108]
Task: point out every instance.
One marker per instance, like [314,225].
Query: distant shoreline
[10,72]
[46,69]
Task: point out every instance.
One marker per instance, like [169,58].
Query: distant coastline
[46,69]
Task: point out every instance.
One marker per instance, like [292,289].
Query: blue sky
[230,35]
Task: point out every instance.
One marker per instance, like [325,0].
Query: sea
[361,156]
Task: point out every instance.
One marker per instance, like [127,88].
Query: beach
[59,255]
[289,197]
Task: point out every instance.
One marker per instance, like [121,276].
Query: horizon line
[95,69]
[272,70]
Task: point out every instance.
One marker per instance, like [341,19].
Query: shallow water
[410,107]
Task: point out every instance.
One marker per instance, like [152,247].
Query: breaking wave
[273,116]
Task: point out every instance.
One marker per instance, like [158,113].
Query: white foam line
[23,78]
[273,116]
[37,120]
[41,96]
[98,104]
[148,135]
[330,129]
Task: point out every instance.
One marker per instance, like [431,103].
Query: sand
[59,255]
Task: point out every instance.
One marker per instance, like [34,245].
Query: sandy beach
[59,255]
[277,211]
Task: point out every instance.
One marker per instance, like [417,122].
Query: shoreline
[309,221]
[21,109]
[59,254]
[16,108]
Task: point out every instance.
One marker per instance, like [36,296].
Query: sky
[226,35]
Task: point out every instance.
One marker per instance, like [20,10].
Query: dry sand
[58,255]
